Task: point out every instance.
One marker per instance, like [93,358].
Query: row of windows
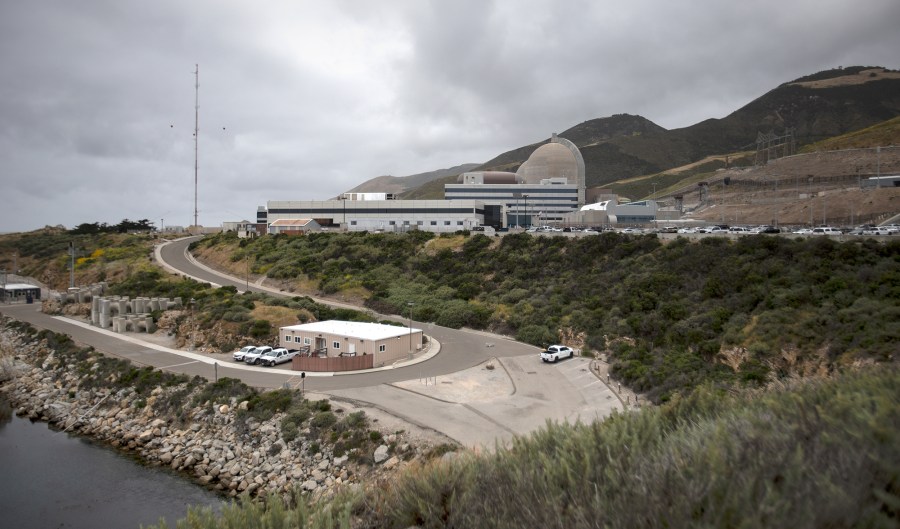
[418,223]
[370,211]
[508,191]
[566,202]
[334,345]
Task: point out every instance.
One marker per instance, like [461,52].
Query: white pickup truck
[277,356]
[556,352]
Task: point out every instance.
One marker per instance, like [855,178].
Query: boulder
[381,454]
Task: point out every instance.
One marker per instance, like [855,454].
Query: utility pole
[71,264]
[196,133]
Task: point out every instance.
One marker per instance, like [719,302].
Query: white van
[826,230]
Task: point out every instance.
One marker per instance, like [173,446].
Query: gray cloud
[303,100]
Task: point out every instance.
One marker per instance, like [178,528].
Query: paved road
[459,349]
[483,407]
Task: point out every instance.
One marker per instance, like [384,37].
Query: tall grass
[825,455]
[822,453]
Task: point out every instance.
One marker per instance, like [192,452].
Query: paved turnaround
[480,388]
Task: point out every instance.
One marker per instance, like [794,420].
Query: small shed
[16,292]
[346,342]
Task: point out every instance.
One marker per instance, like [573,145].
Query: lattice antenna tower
[768,145]
[196,134]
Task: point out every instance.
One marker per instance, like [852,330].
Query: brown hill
[399,184]
[815,107]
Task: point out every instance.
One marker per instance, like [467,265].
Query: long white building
[379,215]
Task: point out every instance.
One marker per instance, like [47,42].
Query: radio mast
[196,133]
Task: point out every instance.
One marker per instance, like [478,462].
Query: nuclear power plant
[549,188]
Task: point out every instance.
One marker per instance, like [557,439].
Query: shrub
[323,419]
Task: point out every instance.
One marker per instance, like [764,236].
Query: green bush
[323,419]
[289,431]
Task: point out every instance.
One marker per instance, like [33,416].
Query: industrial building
[17,292]
[610,213]
[379,215]
[349,345]
[548,188]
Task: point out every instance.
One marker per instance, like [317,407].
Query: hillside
[781,191]
[817,107]
[400,184]
[818,453]
[668,316]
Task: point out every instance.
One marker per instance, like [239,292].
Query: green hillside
[670,317]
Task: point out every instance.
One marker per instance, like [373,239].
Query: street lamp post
[517,210]
[247,257]
[410,303]
[344,202]
[525,196]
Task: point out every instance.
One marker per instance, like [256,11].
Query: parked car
[277,356]
[770,229]
[253,356]
[239,355]
[826,230]
[803,231]
[555,352]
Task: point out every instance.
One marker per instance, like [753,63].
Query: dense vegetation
[817,453]
[45,255]
[672,315]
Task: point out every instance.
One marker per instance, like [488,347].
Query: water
[49,479]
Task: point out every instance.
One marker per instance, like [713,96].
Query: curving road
[459,349]
[446,393]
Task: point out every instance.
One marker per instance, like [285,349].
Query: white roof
[19,286]
[599,206]
[290,222]
[354,329]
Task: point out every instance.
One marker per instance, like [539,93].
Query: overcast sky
[302,100]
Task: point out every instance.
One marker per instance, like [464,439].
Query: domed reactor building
[549,185]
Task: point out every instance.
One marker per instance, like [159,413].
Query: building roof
[599,206]
[19,286]
[290,222]
[354,329]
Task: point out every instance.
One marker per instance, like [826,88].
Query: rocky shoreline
[218,445]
